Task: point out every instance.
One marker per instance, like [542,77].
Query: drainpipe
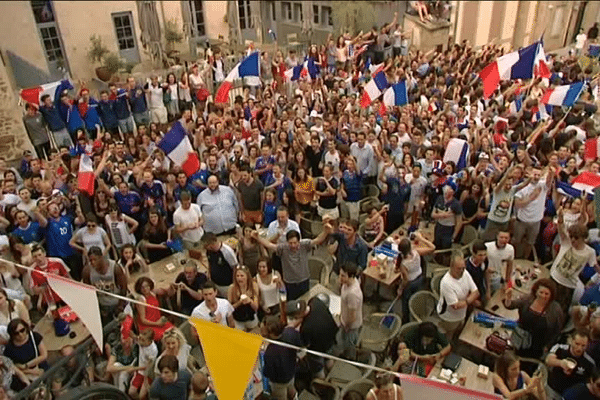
[458,4]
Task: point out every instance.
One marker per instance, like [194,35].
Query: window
[244,14]
[273,12]
[286,11]
[124,30]
[326,12]
[51,43]
[197,10]
[42,11]
[298,12]
[316,15]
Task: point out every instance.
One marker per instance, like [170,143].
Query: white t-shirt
[496,257]
[569,263]
[580,40]
[147,356]
[224,308]
[155,97]
[451,292]
[186,217]
[534,210]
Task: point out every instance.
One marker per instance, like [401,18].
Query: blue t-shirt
[52,118]
[154,191]
[286,183]
[32,233]
[127,202]
[121,106]
[107,113]
[591,294]
[137,100]
[270,213]
[262,163]
[352,185]
[58,236]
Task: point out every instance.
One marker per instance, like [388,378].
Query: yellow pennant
[230,356]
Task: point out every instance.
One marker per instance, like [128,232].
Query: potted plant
[113,63]
[172,35]
[96,54]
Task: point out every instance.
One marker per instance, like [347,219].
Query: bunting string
[187,317]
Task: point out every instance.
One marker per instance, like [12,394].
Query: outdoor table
[474,334]
[524,270]
[496,306]
[468,369]
[55,344]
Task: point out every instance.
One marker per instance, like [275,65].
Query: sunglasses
[22,330]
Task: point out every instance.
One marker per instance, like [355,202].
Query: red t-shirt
[55,267]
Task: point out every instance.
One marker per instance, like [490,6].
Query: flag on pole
[308,69]
[540,64]
[396,95]
[457,151]
[178,148]
[373,89]
[248,67]
[515,65]
[565,95]
[34,94]
[86,177]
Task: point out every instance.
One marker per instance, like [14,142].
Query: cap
[484,156]
[56,192]
[313,114]
[295,308]
[452,185]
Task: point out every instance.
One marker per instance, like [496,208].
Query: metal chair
[361,386]
[377,332]
[343,373]
[317,269]
[435,284]
[422,306]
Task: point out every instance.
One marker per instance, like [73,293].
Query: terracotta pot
[103,74]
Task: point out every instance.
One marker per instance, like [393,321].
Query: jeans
[142,118]
[410,289]
[126,125]
[43,150]
[348,340]
[62,138]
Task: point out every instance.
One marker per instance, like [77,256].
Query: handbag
[520,339]
[496,343]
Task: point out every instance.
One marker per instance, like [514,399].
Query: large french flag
[457,151]
[33,94]
[248,67]
[396,95]
[374,89]
[308,69]
[585,182]
[565,95]
[178,148]
[515,65]
[541,112]
[86,177]
[540,64]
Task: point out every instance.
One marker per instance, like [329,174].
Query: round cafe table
[45,327]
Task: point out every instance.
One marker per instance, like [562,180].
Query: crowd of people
[285,152]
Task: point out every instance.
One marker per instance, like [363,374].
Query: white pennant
[83,301]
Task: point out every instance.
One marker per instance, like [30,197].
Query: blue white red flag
[178,148]
[248,67]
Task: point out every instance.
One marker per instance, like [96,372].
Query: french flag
[308,69]
[247,118]
[33,94]
[178,148]
[515,105]
[457,151]
[541,113]
[396,95]
[374,89]
[248,67]
[585,182]
[592,149]
[515,65]
[86,177]
[565,95]
[540,64]
[374,69]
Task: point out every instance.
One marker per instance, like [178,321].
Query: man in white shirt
[500,254]
[351,318]
[530,203]
[365,158]
[217,310]
[281,226]
[188,221]
[572,257]
[457,292]
[158,111]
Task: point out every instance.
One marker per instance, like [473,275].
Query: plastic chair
[370,191]
[435,284]
[469,235]
[343,373]
[361,386]
[376,335]
[305,228]
[540,366]
[406,328]
[317,269]
[422,306]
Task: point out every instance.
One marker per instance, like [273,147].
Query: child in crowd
[138,389]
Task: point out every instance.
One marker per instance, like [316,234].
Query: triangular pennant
[230,356]
[83,301]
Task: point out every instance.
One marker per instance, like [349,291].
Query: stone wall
[426,36]
[13,136]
